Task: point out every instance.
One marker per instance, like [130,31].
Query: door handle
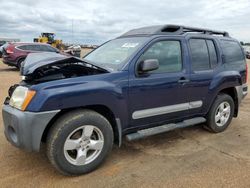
[183,80]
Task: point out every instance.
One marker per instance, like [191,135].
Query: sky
[96,21]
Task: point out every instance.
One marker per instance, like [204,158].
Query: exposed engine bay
[37,69]
[62,71]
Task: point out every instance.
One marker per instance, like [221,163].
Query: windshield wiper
[95,65]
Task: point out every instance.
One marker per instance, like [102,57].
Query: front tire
[79,142]
[220,114]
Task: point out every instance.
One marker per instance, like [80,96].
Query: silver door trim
[166,109]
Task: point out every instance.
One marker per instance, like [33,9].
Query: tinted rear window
[232,51]
[199,54]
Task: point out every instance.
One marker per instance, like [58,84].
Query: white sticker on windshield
[129,45]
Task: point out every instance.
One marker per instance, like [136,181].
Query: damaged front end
[43,67]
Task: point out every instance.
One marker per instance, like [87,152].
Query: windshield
[113,54]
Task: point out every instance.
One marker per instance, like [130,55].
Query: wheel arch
[101,109]
[19,59]
[232,92]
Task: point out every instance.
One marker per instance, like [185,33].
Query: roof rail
[173,29]
[185,29]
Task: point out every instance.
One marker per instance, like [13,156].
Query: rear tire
[19,63]
[220,114]
[79,141]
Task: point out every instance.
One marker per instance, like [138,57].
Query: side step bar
[164,128]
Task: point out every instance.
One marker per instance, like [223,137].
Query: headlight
[21,97]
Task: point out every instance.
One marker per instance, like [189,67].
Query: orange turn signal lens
[28,98]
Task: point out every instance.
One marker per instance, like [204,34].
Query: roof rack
[202,30]
[173,29]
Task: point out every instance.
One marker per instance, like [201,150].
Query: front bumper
[25,129]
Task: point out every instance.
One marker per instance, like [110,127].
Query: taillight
[10,50]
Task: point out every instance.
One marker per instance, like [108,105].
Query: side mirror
[148,65]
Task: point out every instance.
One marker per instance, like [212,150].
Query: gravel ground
[190,157]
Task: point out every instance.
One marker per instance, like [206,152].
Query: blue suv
[148,81]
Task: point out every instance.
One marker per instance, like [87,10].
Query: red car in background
[15,53]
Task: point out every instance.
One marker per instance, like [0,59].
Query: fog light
[12,134]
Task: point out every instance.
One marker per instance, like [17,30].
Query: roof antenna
[72,32]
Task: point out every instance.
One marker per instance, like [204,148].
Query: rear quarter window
[232,51]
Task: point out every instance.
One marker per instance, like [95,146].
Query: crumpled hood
[36,60]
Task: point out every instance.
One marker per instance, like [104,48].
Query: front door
[160,95]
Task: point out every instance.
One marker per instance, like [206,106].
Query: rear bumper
[9,62]
[242,91]
[25,129]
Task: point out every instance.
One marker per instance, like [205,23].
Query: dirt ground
[85,51]
[190,157]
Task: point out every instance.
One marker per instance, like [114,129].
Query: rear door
[204,58]
[161,95]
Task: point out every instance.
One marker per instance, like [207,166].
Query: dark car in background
[247,54]
[15,53]
[2,45]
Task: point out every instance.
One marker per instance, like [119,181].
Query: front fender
[74,93]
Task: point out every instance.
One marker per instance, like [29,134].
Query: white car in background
[247,51]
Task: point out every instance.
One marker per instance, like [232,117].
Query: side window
[199,54]
[212,53]
[168,53]
[34,47]
[232,51]
[50,49]
[22,47]
[44,48]
[29,47]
